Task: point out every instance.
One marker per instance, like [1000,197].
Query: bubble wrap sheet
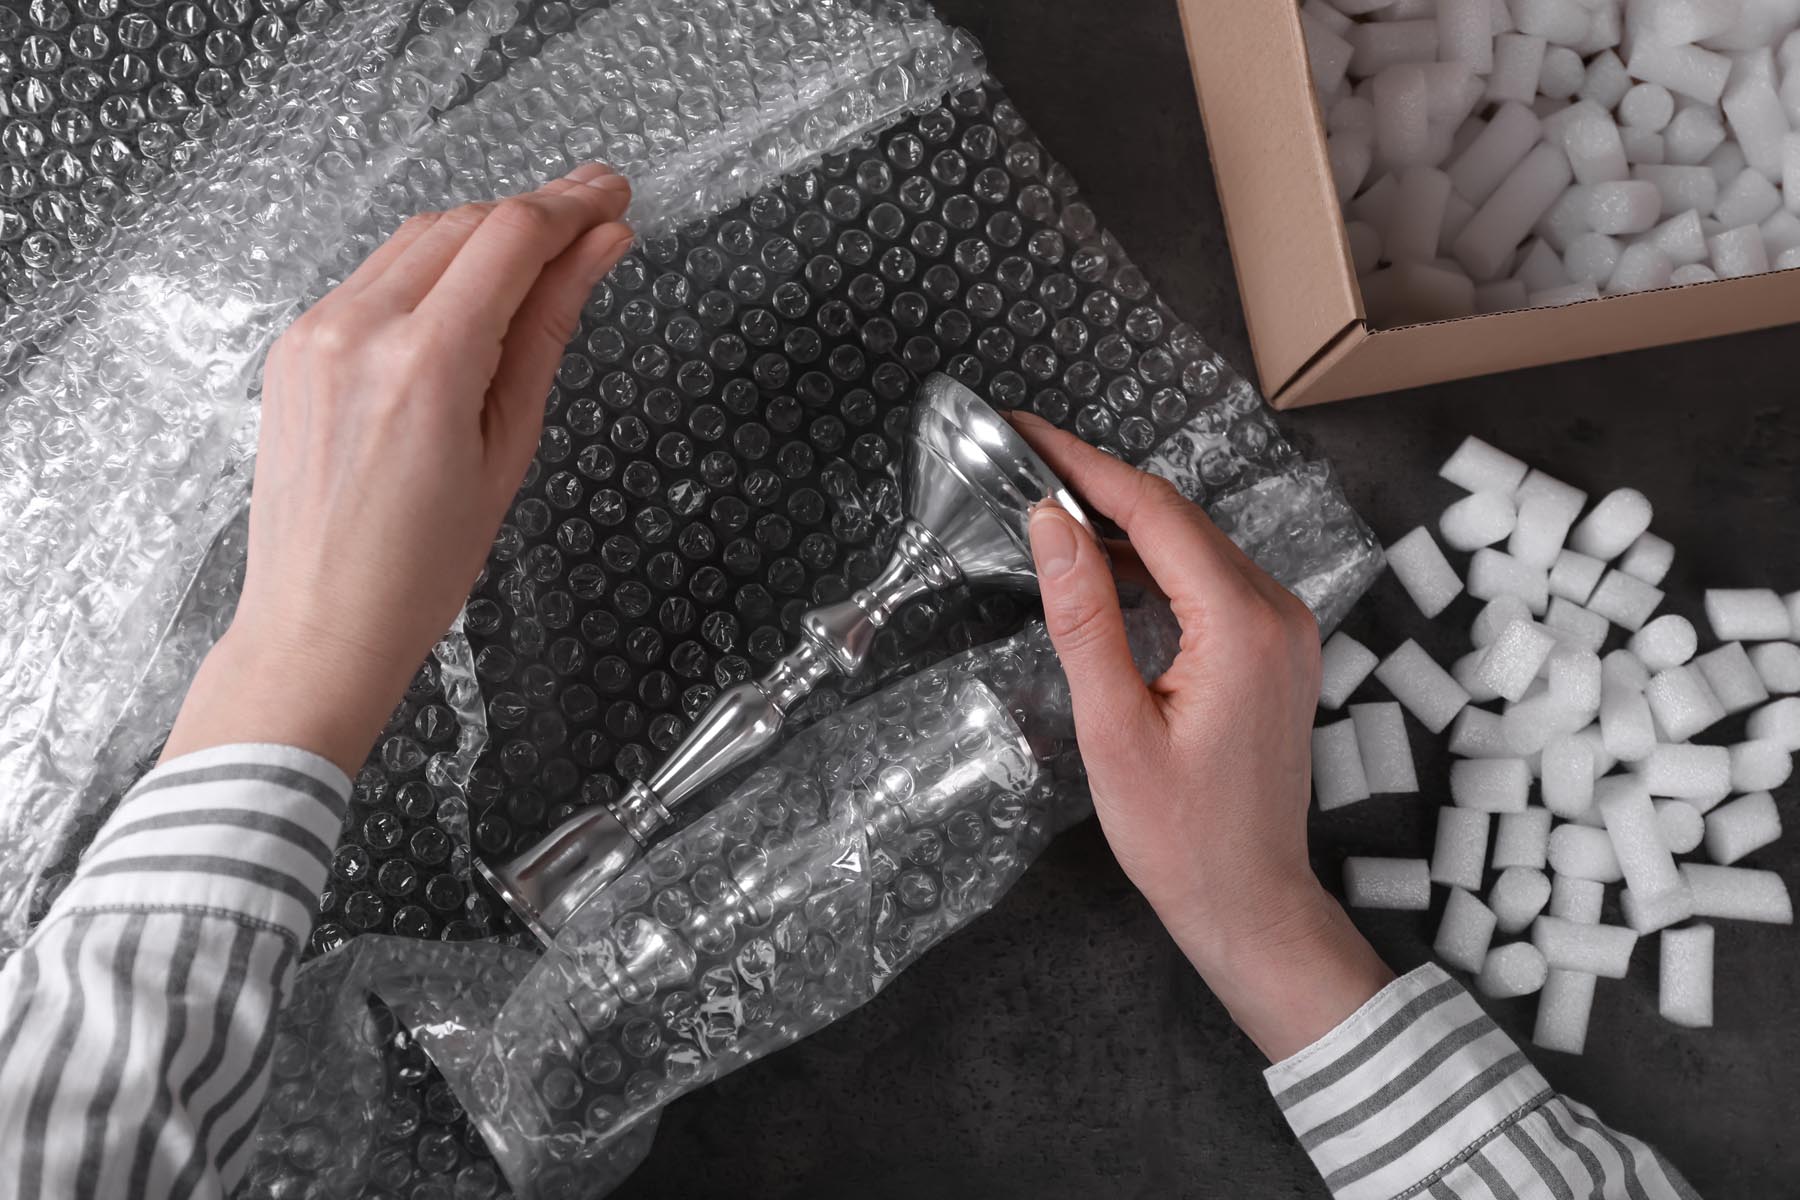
[832,202]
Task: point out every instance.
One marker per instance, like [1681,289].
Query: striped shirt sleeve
[1419,1094]
[136,1023]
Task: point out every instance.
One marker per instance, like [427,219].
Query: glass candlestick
[971,483]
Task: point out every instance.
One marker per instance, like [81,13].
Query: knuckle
[522,215]
[1076,625]
[465,217]
[556,325]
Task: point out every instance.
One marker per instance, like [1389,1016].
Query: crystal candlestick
[971,483]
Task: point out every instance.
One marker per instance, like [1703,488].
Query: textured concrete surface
[1060,1047]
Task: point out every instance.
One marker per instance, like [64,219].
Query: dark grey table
[1060,1047]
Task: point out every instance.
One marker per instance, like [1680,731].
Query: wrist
[1293,972]
[260,684]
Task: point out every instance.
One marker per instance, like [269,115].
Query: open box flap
[1268,151]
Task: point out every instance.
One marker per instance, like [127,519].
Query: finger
[1081,612]
[386,254]
[535,342]
[1128,569]
[490,277]
[1183,550]
[410,276]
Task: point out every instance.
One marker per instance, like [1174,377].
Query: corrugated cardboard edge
[1360,362]
[1267,143]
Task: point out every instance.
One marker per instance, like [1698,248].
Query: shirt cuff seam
[286,934]
[1467,1152]
[316,764]
[1423,978]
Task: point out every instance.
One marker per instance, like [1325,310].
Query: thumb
[1081,612]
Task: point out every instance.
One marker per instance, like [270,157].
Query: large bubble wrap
[831,201]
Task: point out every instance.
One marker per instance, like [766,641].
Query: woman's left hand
[399,415]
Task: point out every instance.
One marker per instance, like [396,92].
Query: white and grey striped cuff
[1416,1079]
[247,830]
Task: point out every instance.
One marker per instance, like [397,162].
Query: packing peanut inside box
[1423,190]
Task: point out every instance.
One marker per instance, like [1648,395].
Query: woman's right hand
[1201,778]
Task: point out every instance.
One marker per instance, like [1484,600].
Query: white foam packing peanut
[1490,157]
[1682,705]
[1424,688]
[1478,467]
[1616,522]
[1685,992]
[1343,665]
[1574,626]
[1467,673]
[1477,520]
[1493,785]
[1778,665]
[1515,969]
[1778,722]
[1738,894]
[1541,526]
[1644,858]
[1477,733]
[1742,827]
[1494,573]
[1759,765]
[1394,883]
[1732,678]
[1466,33]
[1522,839]
[1465,931]
[1575,680]
[1685,70]
[1337,769]
[1584,852]
[1626,725]
[1381,741]
[1668,641]
[1576,899]
[1747,615]
[1682,826]
[1649,558]
[1518,63]
[1424,572]
[1625,601]
[1700,775]
[1486,243]
[1573,576]
[1603,950]
[1591,140]
[1565,1003]
[1494,617]
[1568,777]
[1517,897]
[1459,853]
[1511,664]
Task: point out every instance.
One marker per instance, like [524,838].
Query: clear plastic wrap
[832,203]
[802,890]
[128,383]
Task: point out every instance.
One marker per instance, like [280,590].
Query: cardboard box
[1308,329]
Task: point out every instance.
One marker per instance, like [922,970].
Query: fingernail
[1053,541]
[610,183]
[586,172]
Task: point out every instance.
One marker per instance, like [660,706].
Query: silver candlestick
[971,483]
